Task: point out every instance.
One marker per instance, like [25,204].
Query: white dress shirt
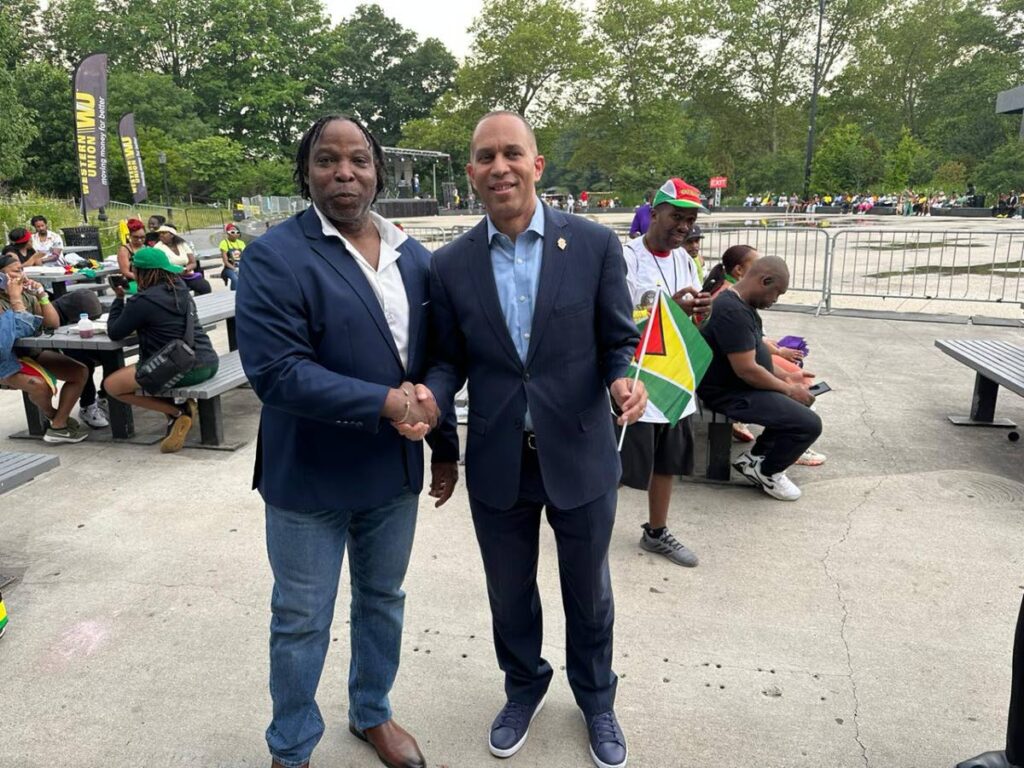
[386,281]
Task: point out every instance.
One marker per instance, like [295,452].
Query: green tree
[951,176]
[529,56]
[16,129]
[49,163]
[383,75]
[19,32]
[1003,170]
[845,162]
[907,164]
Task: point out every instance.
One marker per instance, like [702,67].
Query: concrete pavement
[868,624]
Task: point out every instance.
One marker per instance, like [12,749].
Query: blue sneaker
[607,744]
[511,727]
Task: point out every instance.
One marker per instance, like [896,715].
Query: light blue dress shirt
[517,274]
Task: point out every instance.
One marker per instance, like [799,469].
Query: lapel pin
[561,243]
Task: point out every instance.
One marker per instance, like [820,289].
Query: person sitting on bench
[37,373]
[742,384]
[157,314]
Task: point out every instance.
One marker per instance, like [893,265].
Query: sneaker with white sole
[811,458]
[667,545]
[93,416]
[511,727]
[778,485]
[72,433]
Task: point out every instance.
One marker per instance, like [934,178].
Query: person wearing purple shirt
[641,219]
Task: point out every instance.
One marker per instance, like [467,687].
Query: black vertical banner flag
[132,158]
[89,87]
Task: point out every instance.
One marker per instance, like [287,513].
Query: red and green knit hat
[680,194]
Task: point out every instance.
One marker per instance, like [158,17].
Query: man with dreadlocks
[332,329]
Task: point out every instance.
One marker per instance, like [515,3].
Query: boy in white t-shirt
[654,452]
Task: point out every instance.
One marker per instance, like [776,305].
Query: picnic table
[212,308]
[56,282]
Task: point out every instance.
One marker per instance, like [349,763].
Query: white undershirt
[386,281]
[644,273]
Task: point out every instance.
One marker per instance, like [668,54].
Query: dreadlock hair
[310,138]
[149,278]
[734,256]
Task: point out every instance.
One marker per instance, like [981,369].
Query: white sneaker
[104,405]
[778,485]
[94,417]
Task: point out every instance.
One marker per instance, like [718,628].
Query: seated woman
[136,240]
[157,313]
[181,255]
[786,362]
[38,373]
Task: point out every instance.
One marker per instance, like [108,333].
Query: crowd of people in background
[906,203]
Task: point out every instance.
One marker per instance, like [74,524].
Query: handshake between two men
[413,411]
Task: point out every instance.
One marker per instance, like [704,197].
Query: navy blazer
[582,339]
[319,354]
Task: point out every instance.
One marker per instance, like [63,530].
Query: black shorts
[658,449]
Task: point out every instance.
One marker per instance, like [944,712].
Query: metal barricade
[951,265]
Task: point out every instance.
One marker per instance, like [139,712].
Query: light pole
[809,158]
[167,189]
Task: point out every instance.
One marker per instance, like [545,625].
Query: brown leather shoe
[395,746]
[276,764]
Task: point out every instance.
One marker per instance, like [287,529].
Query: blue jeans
[306,551]
[230,277]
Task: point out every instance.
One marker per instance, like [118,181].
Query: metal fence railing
[982,266]
[952,265]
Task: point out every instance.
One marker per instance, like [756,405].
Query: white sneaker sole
[597,761]
[519,744]
[47,438]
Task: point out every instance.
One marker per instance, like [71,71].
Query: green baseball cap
[680,194]
[154,258]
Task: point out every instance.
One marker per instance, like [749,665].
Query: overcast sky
[447,20]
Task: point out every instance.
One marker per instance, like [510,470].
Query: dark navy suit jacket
[319,354]
[582,339]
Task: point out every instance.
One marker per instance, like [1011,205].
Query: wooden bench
[211,423]
[997,363]
[18,468]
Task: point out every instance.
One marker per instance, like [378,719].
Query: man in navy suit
[532,307]
[332,329]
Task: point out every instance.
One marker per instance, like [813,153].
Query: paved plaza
[868,624]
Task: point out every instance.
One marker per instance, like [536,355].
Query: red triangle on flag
[654,327]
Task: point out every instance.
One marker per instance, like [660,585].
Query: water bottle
[85,329]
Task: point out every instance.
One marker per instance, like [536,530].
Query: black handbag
[168,366]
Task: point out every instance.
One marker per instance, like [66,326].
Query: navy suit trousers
[509,541]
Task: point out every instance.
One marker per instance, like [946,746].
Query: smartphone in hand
[819,389]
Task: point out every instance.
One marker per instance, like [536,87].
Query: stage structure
[406,186]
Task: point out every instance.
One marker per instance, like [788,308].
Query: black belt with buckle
[530,440]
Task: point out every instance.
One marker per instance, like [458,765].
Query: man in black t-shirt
[742,384]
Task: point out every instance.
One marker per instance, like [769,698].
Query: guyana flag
[672,357]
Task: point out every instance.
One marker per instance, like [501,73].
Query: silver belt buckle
[531,441]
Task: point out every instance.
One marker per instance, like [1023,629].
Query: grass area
[947,271]
[17,211]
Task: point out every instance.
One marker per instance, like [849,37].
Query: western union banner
[90,94]
[132,158]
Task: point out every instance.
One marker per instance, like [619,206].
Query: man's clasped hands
[412,410]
